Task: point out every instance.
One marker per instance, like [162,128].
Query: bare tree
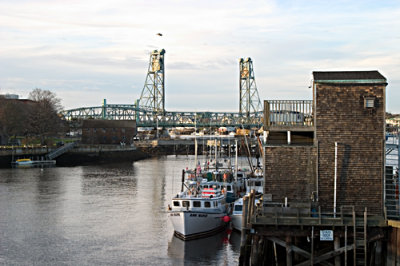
[39,95]
[13,118]
[44,119]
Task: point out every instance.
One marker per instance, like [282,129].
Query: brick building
[348,109]
[108,131]
[325,187]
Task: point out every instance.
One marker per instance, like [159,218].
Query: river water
[111,214]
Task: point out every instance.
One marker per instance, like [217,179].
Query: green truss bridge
[150,118]
[151,111]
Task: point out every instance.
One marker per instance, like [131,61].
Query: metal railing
[392,179]
[288,113]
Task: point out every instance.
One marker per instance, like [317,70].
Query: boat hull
[191,225]
[236,220]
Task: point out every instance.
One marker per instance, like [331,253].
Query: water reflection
[209,250]
[109,179]
[111,214]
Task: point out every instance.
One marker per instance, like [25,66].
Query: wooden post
[251,205]
[378,253]
[261,251]
[289,261]
[295,254]
[336,245]
[312,245]
[243,239]
[275,255]
[365,235]
[391,247]
[354,238]
[345,245]
[254,250]
[183,179]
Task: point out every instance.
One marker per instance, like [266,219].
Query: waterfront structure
[108,131]
[325,184]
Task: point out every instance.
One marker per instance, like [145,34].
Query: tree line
[35,117]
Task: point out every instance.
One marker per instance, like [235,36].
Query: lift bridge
[149,110]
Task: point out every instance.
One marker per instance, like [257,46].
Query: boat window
[238,208]
[207,204]
[239,175]
[229,188]
[185,203]
[258,183]
[215,204]
[176,203]
[196,204]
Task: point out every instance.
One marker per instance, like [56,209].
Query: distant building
[108,131]
[9,96]
[394,122]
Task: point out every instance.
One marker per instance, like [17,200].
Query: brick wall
[290,171]
[108,131]
[340,116]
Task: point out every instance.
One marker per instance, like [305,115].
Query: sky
[87,51]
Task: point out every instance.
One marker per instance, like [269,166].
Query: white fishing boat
[254,182]
[236,216]
[199,211]
[237,213]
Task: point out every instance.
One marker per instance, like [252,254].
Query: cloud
[104,46]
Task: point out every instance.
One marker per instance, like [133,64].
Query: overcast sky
[87,51]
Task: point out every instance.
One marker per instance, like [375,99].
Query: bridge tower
[152,96]
[250,103]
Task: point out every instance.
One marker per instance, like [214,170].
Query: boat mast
[236,158]
[195,153]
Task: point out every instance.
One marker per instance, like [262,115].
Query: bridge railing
[288,113]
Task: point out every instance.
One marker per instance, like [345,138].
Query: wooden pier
[327,192]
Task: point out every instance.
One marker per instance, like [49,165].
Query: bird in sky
[159,34]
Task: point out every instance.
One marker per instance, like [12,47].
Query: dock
[329,198]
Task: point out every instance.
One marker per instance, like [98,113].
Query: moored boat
[253,182]
[237,213]
[23,162]
[199,211]
[27,163]
[236,216]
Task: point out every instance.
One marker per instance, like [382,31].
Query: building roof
[100,123]
[349,77]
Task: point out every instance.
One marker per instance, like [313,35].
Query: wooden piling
[336,245]
[345,244]
[378,253]
[243,239]
[255,251]
[289,261]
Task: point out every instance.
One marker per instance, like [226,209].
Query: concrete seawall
[80,155]
[99,153]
